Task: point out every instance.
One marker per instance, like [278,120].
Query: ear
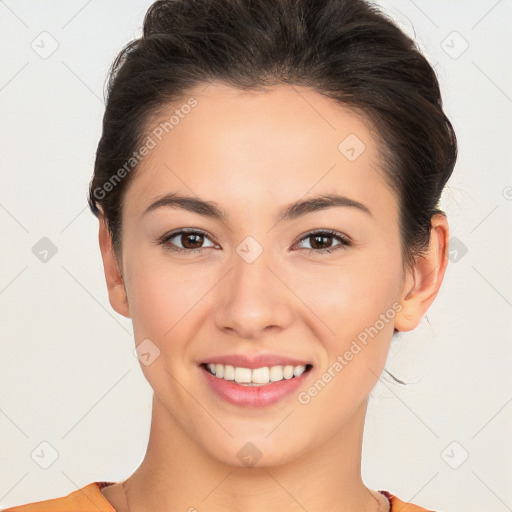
[422,283]
[113,274]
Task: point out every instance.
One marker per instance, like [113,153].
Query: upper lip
[255,361]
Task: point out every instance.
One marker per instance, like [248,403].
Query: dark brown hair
[346,50]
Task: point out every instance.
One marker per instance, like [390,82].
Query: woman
[267,187]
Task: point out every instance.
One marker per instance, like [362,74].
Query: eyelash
[344,241]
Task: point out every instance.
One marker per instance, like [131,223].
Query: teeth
[256,376]
[288,372]
[261,375]
[298,370]
[242,375]
[229,372]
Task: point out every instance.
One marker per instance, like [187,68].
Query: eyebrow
[292,211]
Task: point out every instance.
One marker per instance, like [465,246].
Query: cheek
[345,297]
[360,309]
[357,301]
[167,300]
[351,295]
[159,295]
[162,299]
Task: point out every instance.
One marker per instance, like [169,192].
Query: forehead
[261,147]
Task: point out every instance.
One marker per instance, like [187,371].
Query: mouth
[254,380]
[254,377]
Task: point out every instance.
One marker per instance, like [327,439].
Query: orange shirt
[90,499]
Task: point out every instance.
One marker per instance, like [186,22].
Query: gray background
[68,375]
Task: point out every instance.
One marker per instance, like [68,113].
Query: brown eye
[185,241]
[322,241]
[191,239]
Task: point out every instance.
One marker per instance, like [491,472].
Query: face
[317,284]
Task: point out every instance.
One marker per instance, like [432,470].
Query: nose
[253,299]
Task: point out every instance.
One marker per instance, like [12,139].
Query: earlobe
[422,283]
[113,275]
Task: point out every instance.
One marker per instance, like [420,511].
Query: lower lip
[253,396]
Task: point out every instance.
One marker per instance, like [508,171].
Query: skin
[253,153]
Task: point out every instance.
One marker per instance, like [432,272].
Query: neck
[177,474]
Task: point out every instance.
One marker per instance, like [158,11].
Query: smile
[254,387]
[256,376]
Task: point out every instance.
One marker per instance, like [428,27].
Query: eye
[190,241]
[322,237]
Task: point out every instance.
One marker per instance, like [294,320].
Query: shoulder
[90,499]
[397,505]
[87,499]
